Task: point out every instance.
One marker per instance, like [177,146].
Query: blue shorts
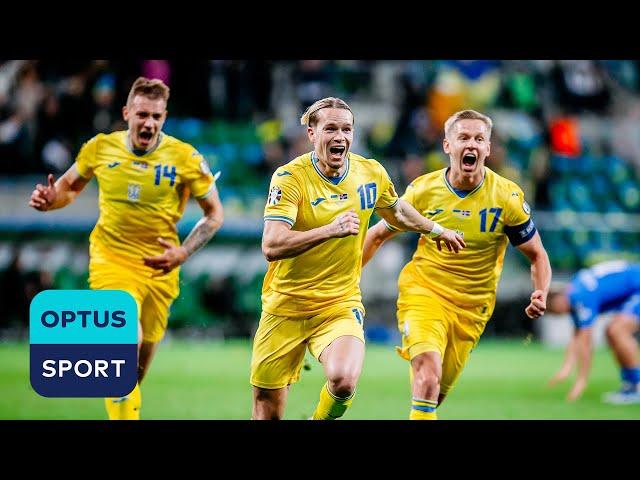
[632,306]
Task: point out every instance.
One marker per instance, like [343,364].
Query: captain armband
[519,234]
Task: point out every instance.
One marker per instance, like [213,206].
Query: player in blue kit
[612,286]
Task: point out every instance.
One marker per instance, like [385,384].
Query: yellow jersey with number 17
[141,197]
[487,217]
[327,274]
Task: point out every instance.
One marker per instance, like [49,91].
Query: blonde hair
[150,88]
[310,116]
[466,115]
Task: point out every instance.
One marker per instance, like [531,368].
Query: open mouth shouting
[144,138]
[337,151]
[469,162]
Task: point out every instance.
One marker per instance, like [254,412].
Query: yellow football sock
[125,408]
[331,407]
[112,406]
[130,408]
[423,409]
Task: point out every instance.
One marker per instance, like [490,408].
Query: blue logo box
[84,343]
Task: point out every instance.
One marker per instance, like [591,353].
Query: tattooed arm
[201,233]
[207,226]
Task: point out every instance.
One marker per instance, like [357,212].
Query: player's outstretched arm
[202,232]
[58,194]
[584,351]
[376,236]
[279,241]
[540,275]
[567,365]
[405,217]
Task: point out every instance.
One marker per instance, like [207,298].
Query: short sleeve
[388,196]
[409,197]
[518,226]
[197,174]
[86,158]
[283,200]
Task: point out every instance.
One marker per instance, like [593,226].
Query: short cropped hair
[466,115]
[150,88]
[310,116]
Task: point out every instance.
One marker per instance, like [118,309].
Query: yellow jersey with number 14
[141,197]
[302,196]
[487,217]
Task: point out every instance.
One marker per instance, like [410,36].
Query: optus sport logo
[83,343]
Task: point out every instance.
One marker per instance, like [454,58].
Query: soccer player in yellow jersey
[145,178]
[313,242]
[446,300]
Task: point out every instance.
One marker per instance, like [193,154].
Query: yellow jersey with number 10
[302,196]
[486,217]
[141,197]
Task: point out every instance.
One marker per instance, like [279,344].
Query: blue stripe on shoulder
[280,218]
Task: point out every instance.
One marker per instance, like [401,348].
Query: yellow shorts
[280,342]
[153,295]
[431,324]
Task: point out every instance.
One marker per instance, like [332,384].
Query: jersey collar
[453,190]
[137,153]
[334,180]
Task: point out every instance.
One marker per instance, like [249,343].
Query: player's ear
[488,148]
[125,113]
[311,134]
[445,145]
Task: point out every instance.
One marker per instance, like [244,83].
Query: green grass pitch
[198,380]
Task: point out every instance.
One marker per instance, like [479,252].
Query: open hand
[172,257]
[451,239]
[576,390]
[560,376]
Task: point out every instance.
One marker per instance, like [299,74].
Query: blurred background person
[612,286]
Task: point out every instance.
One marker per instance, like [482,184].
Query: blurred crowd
[541,108]
[235,111]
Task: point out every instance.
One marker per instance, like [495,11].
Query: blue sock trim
[631,375]
[423,409]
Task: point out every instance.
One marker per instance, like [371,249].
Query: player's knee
[266,406]
[426,380]
[343,385]
[613,331]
